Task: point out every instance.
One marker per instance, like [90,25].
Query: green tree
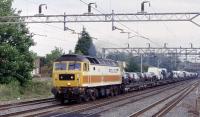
[50,58]
[132,66]
[8,66]
[16,61]
[85,45]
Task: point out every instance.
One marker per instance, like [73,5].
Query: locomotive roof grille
[71,57]
[92,60]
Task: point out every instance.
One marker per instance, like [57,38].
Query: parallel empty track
[28,106]
[176,98]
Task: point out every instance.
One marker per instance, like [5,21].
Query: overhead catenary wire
[140,35]
[53,26]
[103,13]
[143,37]
[50,37]
[62,28]
[98,11]
[33,2]
[59,29]
[167,28]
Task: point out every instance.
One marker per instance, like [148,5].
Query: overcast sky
[174,33]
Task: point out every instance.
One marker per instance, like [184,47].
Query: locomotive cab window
[60,66]
[85,67]
[74,66]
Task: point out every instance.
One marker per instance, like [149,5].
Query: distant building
[189,66]
[38,62]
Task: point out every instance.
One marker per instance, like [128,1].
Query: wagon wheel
[62,100]
[79,99]
[86,97]
[58,97]
[116,91]
[112,92]
[93,95]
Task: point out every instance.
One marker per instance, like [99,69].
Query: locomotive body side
[101,75]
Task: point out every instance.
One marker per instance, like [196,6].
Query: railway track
[169,103]
[46,106]
[20,104]
[73,108]
[28,106]
[101,103]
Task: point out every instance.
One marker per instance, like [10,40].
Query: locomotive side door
[87,73]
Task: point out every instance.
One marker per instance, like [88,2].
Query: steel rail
[57,107]
[131,101]
[106,102]
[29,110]
[160,101]
[19,104]
[173,103]
[105,99]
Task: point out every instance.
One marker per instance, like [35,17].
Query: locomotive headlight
[68,83]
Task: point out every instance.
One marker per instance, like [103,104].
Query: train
[84,78]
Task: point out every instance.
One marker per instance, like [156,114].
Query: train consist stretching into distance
[84,78]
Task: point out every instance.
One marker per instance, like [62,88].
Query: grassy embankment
[34,89]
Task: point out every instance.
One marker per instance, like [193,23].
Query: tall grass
[33,89]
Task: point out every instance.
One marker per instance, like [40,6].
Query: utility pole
[103,53]
[158,63]
[141,63]
[128,37]
[186,58]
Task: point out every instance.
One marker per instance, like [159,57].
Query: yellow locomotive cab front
[67,74]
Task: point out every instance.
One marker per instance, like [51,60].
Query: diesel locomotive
[77,77]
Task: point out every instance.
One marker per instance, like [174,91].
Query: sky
[175,34]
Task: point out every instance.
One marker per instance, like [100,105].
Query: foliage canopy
[50,58]
[85,45]
[16,61]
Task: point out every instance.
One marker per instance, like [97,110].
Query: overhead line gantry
[146,51]
[112,17]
